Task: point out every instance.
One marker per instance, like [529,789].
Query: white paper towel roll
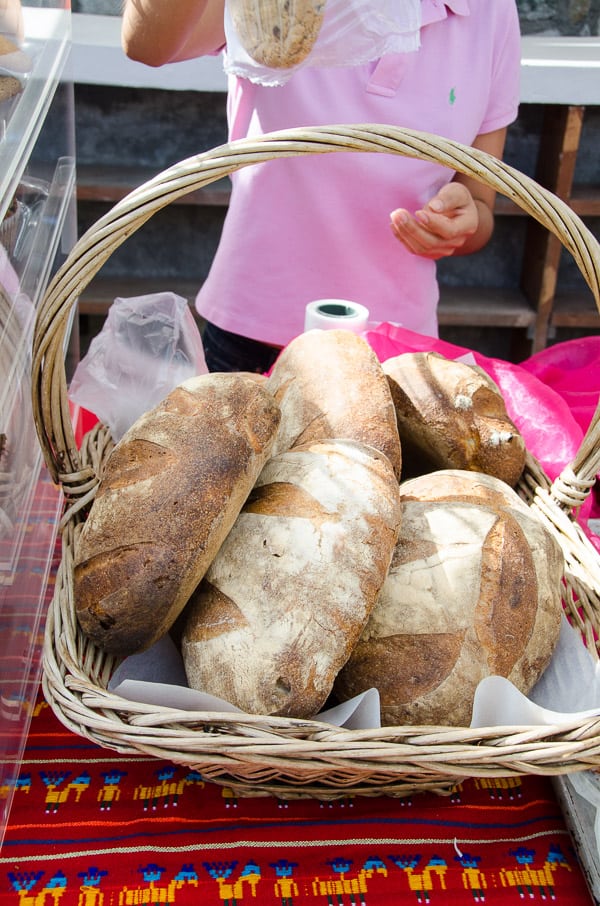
[336,314]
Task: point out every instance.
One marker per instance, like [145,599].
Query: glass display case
[37,229]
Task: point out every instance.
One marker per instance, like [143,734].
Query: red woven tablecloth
[90,827]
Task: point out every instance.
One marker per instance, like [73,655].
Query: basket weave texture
[259,755]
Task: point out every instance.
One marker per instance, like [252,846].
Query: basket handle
[49,386]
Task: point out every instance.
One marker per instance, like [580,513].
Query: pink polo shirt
[317,226]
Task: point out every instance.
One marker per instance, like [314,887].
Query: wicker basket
[257,755]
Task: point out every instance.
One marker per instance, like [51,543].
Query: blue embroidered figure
[56,793]
[154,889]
[25,882]
[90,892]
[422,882]
[231,892]
[110,791]
[354,886]
[285,887]
[22,783]
[530,880]
[168,789]
[473,879]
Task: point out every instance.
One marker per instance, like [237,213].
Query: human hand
[442,226]
[11,19]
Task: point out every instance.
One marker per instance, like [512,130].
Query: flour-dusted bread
[474,589]
[169,493]
[286,597]
[277,34]
[330,383]
[10,87]
[451,415]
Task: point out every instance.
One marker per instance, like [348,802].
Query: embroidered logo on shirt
[452,96]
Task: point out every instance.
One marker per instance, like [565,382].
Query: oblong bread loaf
[473,590]
[330,384]
[292,586]
[170,491]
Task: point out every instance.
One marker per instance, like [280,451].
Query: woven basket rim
[282,756]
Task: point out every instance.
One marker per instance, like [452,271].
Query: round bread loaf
[451,415]
[474,589]
[278,34]
[286,597]
[170,491]
[330,383]
[10,87]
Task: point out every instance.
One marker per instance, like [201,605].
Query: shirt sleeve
[503,106]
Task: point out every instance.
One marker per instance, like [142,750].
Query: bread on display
[170,491]
[451,415]
[277,34]
[330,383]
[474,589]
[292,586]
[10,87]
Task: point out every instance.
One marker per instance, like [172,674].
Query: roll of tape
[336,314]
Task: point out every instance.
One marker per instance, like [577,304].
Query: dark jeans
[225,351]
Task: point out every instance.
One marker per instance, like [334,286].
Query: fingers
[428,234]
[450,200]
[441,226]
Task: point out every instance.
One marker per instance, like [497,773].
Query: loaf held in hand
[330,383]
[474,589]
[277,34]
[451,415]
[286,597]
[170,491]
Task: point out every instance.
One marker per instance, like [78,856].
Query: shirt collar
[389,70]
[436,10]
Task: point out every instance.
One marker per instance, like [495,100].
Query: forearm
[162,31]
[11,19]
[483,195]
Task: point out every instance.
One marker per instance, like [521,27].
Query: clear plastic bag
[147,346]
[269,40]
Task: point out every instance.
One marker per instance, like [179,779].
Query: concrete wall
[156,128]
[550,17]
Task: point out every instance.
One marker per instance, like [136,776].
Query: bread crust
[170,491]
[10,86]
[451,415]
[290,590]
[330,383]
[278,34]
[473,590]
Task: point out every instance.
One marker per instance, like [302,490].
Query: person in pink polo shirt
[363,227]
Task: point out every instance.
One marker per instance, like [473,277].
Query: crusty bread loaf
[277,33]
[474,589]
[451,415]
[330,383]
[286,597]
[170,491]
[10,87]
